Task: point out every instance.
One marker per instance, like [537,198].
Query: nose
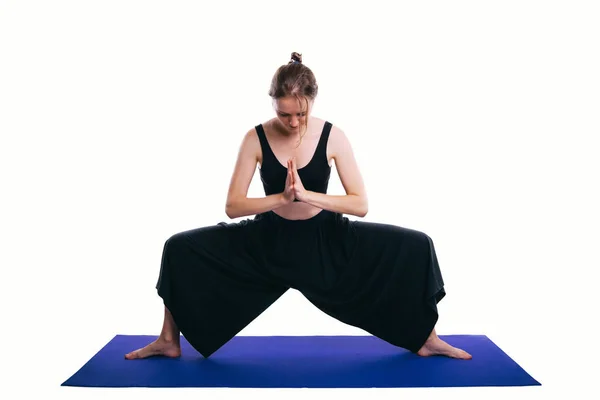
[294,122]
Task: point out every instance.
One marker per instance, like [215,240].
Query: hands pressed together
[293,185]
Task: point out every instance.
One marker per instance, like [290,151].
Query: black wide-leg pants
[381,278]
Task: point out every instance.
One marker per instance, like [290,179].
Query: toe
[134,354]
[462,354]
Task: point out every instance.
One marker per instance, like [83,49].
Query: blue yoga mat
[302,362]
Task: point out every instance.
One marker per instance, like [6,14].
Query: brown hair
[295,79]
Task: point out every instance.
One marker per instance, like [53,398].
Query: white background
[471,121]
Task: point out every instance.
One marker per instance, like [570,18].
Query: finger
[295,169]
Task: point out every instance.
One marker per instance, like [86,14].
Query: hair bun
[296,58]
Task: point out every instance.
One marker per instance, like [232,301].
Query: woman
[381,278]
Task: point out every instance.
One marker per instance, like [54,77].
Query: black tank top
[314,176]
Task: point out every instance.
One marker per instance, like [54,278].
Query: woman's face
[291,114]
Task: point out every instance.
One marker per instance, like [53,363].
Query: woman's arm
[345,204]
[243,206]
[355,201]
[238,204]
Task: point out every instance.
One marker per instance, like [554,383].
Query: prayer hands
[293,185]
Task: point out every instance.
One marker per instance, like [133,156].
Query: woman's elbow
[230,210]
[364,208]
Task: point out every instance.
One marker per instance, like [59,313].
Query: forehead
[290,105]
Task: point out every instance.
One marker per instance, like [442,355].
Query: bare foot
[434,346]
[160,347]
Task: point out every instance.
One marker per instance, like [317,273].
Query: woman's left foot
[434,346]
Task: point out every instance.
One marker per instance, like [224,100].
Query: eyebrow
[285,113]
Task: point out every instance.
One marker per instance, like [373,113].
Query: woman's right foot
[160,347]
[434,346]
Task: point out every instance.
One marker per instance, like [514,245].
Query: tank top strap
[322,145]
[264,143]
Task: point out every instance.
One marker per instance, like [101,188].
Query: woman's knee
[174,242]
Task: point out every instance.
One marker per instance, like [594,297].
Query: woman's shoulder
[335,129]
[266,125]
[335,133]
[338,141]
[251,142]
[252,132]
